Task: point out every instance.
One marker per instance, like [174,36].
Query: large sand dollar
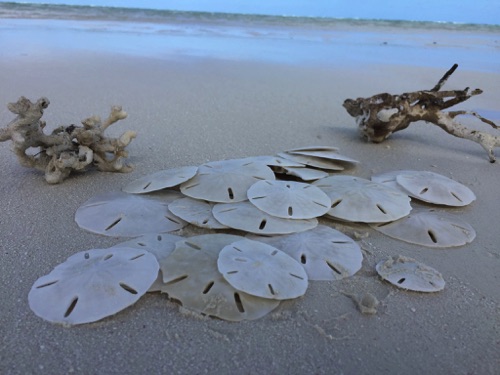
[160,180]
[245,216]
[289,199]
[435,188]
[93,284]
[325,253]
[262,270]
[128,215]
[191,276]
[359,200]
[226,181]
[429,228]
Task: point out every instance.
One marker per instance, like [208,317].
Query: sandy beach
[203,99]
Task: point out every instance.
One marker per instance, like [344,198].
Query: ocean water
[463,12]
[434,33]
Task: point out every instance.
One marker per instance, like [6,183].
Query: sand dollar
[435,188]
[160,180]
[359,200]
[191,277]
[93,284]
[325,253]
[262,270]
[128,215]
[289,199]
[407,273]
[429,228]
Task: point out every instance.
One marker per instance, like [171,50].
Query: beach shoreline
[190,107]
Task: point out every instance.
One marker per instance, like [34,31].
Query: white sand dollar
[245,216]
[262,270]
[407,273]
[323,153]
[273,161]
[128,215]
[196,212]
[160,180]
[435,188]
[192,278]
[93,284]
[429,228]
[226,181]
[325,253]
[289,199]
[158,244]
[359,200]
[314,161]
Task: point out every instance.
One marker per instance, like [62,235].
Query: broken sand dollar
[262,270]
[325,253]
[196,212]
[93,284]
[160,180]
[435,188]
[245,216]
[128,215]
[226,181]
[289,199]
[160,245]
[191,277]
[359,200]
[429,228]
[407,273]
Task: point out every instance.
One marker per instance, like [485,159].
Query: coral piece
[67,148]
[383,114]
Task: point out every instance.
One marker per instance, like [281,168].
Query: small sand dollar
[196,212]
[407,273]
[160,180]
[262,270]
[435,188]
[429,228]
[245,216]
[289,199]
[359,200]
[93,284]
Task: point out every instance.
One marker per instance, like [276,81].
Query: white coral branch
[67,148]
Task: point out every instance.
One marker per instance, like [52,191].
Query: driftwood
[67,148]
[381,115]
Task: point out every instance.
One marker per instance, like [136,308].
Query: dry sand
[188,110]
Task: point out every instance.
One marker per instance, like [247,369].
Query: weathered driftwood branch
[383,114]
[67,148]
